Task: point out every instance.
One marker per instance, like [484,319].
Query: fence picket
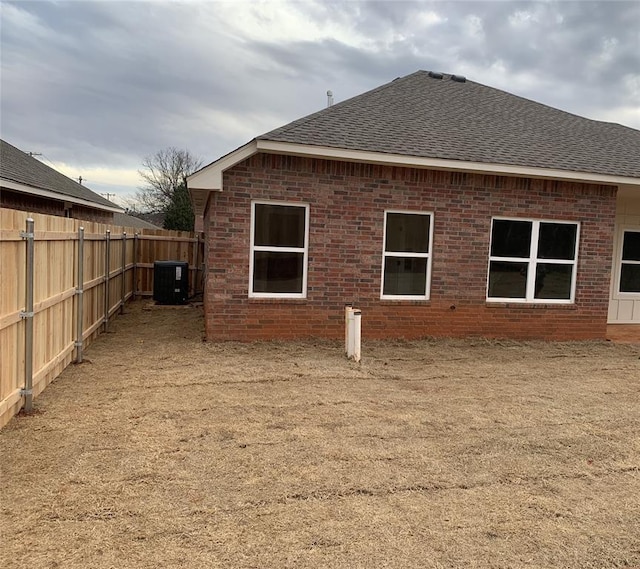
[71,258]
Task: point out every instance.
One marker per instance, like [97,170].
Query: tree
[179,213]
[165,190]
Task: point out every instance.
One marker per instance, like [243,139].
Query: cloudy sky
[95,86]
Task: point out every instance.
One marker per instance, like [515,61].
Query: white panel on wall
[625,310]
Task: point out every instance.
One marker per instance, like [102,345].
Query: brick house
[29,185]
[438,206]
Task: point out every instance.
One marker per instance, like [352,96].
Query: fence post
[27,315]
[107,266]
[134,286]
[123,290]
[195,265]
[80,297]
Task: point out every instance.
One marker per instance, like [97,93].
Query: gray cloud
[106,83]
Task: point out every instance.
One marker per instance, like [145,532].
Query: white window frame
[532,262]
[304,250]
[427,256]
[618,292]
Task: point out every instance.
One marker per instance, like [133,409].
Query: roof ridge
[301,121]
[547,106]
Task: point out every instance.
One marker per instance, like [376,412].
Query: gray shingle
[126,220]
[421,116]
[21,168]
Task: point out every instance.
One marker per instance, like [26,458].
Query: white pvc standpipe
[354,324]
[347,310]
[356,329]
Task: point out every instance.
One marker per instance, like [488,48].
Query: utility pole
[108,195]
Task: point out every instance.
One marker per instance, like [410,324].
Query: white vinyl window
[406,258]
[532,261]
[629,282]
[279,248]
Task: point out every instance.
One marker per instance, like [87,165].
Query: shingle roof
[19,167]
[126,220]
[419,115]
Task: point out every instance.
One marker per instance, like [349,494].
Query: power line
[80,179]
[53,165]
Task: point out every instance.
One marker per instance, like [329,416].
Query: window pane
[407,233]
[405,275]
[631,246]
[511,238]
[629,278]
[277,272]
[507,280]
[553,281]
[557,241]
[279,226]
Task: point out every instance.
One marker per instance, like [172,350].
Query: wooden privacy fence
[61,281]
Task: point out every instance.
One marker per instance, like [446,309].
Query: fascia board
[210,177]
[438,163]
[56,196]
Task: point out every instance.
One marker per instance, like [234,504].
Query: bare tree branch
[162,174]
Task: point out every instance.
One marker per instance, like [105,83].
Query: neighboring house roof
[441,121]
[21,172]
[126,220]
[154,217]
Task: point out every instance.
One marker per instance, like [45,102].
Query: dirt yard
[164,451]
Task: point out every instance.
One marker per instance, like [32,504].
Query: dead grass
[164,451]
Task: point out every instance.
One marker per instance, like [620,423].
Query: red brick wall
[347,203]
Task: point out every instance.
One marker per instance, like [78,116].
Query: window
[630,265]
[406,266]
[532,261]
[279,239]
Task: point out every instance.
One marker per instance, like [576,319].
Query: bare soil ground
[164,451]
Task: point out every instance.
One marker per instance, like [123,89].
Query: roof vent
[459,78]
[329,98]
[435,75]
